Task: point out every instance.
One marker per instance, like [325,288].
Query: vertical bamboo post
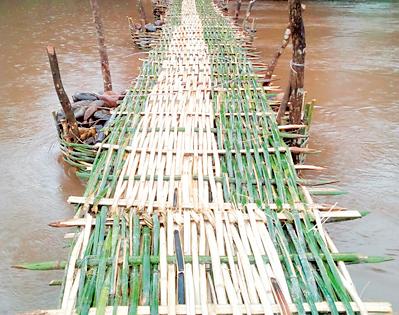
[101,46]
[297,74]
[284,103]
[238,8]
[248,13]
[225,5]
[73,130]
[143,17]
[272,65]
[153,7]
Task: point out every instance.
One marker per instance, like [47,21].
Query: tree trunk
[279,52]
[297,75]
[101,46]
[73,130]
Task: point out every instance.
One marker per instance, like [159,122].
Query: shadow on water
[352,70]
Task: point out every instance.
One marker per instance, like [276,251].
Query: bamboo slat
[373,308]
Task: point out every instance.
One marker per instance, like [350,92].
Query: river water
[352,69]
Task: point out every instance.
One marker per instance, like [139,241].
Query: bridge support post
[101,46]
[238,8]
[294,93]
[143,17]
[248,14]
[272,65]
[72,130]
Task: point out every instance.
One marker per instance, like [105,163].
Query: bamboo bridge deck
[193,204]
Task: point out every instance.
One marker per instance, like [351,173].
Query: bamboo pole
[373,308]
[347,257]
[143,16]
[248,14]
[73,130]
[238,8]
[101,45]
[273,63]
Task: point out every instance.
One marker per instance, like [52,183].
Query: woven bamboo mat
[193,204]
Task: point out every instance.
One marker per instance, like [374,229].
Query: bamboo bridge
[193,204]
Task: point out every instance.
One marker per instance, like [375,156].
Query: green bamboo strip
[146,268]
[155,275]
[352,258]
[103,299]
[125,265]
[134,277]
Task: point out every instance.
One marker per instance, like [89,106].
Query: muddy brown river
[352,69]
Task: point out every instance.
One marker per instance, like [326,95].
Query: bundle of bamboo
[193,204]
